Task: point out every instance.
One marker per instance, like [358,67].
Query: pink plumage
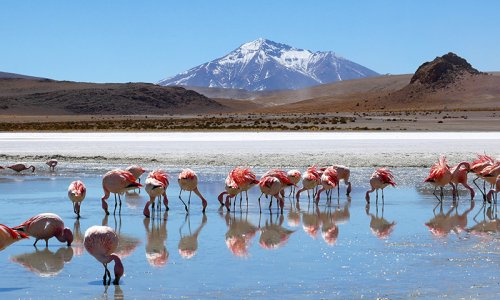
[386,176]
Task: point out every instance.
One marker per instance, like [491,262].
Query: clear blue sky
[121,41]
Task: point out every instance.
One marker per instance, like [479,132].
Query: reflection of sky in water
[344,249]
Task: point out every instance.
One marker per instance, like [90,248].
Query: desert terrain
[446,94]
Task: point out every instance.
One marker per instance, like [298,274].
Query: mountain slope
[446,83]
[36,97]
[263,65]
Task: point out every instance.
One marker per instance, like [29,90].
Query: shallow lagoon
[336,250]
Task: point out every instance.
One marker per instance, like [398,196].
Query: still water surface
[343,249]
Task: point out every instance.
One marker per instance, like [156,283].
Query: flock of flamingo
[102,241]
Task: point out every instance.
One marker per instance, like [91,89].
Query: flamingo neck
[119,270]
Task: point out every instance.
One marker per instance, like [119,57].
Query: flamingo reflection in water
[45,263]
[379,226]
[274,236]
[188,244]
[77,239]
[442,224]
[156,236]
[331,219]
[239,234]
[127,244]
[489,226]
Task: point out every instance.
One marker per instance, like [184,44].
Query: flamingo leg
[189,199]
[260,208]
[185,206]
[114,212]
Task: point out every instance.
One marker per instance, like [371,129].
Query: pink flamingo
[494,190]
[329,180]
[282,176]
[188,181]
[231,190]
[45,226]
[101,242]
[477,167]
[156,186]
[52,163]
[9,236]
[116,182]
[272,186]
[294,176]
[459,175]
[310,179]
[21,167]
[76,193]
[239,180]
[440,175]
[343,173]
[380,179]
[137,171]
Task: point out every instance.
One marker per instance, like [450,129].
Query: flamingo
[380,179]
[45,226]
[52,163]
[283,178]
[294,176]
[231,190]
[188,181]
[76,193]
[272,186]
[136,171]
[21,167]
[343,173]
[246,179]
[329,180]
[101,242]
[9,236]
[116,182]
[156,186]
[477,167]
[459,175]
[239,180]
[440,175]
[310,179]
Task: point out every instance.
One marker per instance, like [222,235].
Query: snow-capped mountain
[266,65]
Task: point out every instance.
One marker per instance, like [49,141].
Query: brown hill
[36,97]
[447,83]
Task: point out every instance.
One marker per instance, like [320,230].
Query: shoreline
[442,121]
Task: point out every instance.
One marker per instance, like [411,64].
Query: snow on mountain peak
[266,65]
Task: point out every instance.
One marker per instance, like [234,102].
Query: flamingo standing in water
[272,186]
[52,163]
[231,190]
[329,180]
[188,181]
[9,236]
[156,186]
[490,174]
[310,179]
[494,190]
[459,175]
[21,167]
[380,179]
[440,175]
[116,182]
[239,180]
[101,242]
[76,193]
[294,176]
[343,173]
[477,167]
[45,226]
